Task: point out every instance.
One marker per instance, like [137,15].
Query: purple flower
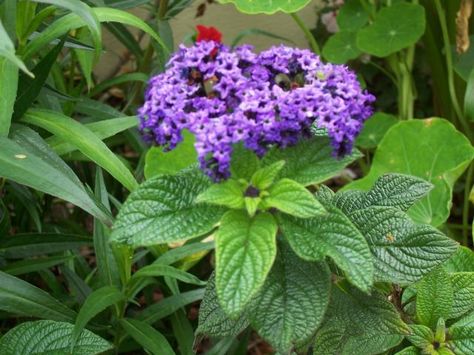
[269,99]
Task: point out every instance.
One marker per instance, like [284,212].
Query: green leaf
[102,129]
[162,210]
[212,319]
[394,28]
[155,270]
[85,58]
[335,236]
[32,265]
[294,199]
[461,336]
[263,178]
[50,337]
[310,161]
[252,204]
[434,298]
[356,321]
[229,193]
[352,16]
[469,98]
[292,303]
[374,130]
[7,51]
[257,32]
[118,80]
[147,336]
[159,162]
[95,303]
[463,64]
[8,88]
[411,350]
[244,163]
[85,140]
[267,6]
[245,250]
[431,149]
[19,297]
[29,161]
[463,290]
[420,335]
[462,260]
[404,251]
[341,47]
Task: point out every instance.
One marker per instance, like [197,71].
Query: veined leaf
[264,177]
[461,336]
[420,335]
[162,210]
[85,140]
[463,291]
[229,193]
[292,303]
[147,336]
[245,250]
[461,261]
[374,130]
[50,337]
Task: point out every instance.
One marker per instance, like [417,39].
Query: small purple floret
[269,99]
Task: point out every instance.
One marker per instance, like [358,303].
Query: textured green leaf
[50,337]
[244,163]
[404,251]
[159,162]
[229,193]
[335,236]
[463,290]
[292,303]
[245,250]
[394,28]
[8,88]
[461,336]
[294,199]
[341,47]
[147,336]
[374,130]
[355,321]
[431,149]
[20,297]
[420,335]
[310,161]
[85,140]
[163,210]
[96,302]
[434,298]
[411,350]
[461,261]
[352,16]
[212,319]
[267,6]
[264,177]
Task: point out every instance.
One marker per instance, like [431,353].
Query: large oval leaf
[50,337]
[431,149]
[245,250]
[267,6]
[162,210]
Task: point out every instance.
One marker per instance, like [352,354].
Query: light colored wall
[228,20]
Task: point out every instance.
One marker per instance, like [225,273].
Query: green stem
[467,203]
[384,71]
[449,65]
[309,36]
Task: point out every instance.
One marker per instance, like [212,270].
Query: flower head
[208,34]
[269,99]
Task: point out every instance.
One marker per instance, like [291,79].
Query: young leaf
[463,291]
[20,297]
[95,303]
[212,319]
[162,210]
[310,161]
[251,205]
[420,335]
[335,236]
[394,28]
[294,199]
[229,193]
[50,337]
[86,141]
[267,6]
[264,177]
[434,298]
[374,130]
[147,336]
[245,250]
[292,302]
[356,321]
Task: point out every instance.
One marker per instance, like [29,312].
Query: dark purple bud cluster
[269,99]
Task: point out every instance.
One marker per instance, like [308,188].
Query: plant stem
[449,65]
[467,202]
[309,36]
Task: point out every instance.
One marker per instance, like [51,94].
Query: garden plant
[207,197]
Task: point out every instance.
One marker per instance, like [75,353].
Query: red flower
[208,34]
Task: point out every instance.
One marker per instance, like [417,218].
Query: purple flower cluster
[269,99]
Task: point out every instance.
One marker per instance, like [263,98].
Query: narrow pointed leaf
[147,336]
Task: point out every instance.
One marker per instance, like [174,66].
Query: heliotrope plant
[303,266]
